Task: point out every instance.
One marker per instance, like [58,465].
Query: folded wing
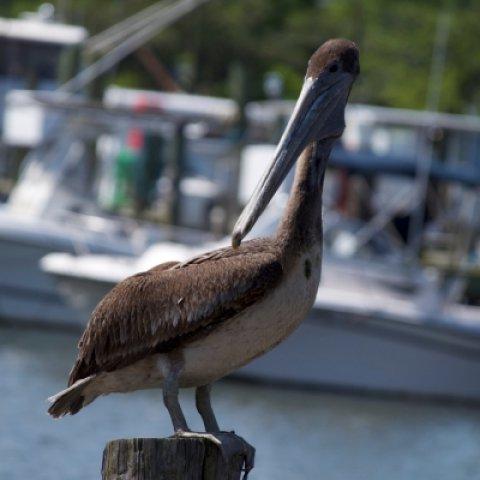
[157,310]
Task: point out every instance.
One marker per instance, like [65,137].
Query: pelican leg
[170,398]
[229,444]
[204,407]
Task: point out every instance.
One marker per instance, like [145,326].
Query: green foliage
[396,38]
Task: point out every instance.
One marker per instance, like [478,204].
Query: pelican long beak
[318,103]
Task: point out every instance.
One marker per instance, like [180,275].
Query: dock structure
[178,458]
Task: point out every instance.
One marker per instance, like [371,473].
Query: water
[298,435]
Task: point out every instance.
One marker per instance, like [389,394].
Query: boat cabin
[33,51]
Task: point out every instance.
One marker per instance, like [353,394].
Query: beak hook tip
[236,239]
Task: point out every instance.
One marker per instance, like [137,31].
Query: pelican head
[318,116]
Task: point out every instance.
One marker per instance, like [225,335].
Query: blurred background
[132,133]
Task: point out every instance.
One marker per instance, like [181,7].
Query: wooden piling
[177,458]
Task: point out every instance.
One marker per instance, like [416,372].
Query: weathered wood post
[178,458]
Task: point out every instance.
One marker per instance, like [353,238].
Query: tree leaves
[396,39]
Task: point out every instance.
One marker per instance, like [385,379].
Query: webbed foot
[231,446]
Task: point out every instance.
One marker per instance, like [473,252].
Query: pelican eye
[333,68]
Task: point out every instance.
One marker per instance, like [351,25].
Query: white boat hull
[348,353]
[27,293]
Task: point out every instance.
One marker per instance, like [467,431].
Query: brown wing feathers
[156,310]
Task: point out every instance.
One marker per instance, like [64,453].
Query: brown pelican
[188,324]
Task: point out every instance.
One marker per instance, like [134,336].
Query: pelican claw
[206,436]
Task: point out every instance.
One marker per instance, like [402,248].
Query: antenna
[162,19]
[104,41]
[425,155]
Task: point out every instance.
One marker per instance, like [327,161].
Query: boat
[55,204]
[53,209]
[402,324]
[25,292]
[383,321]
